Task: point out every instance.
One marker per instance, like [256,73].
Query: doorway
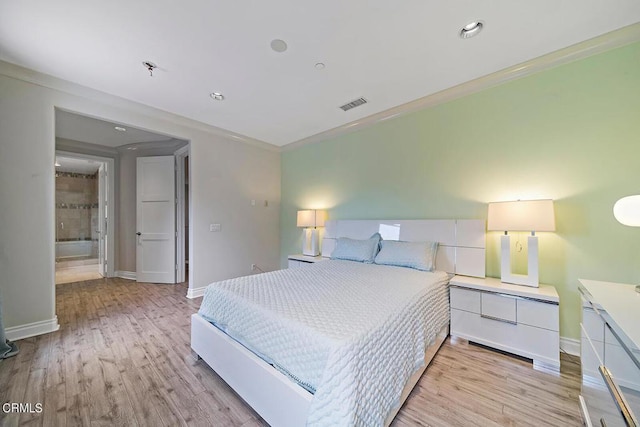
[121,145]
[82,217]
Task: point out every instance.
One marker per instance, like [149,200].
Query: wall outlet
[253,267]
[214,227]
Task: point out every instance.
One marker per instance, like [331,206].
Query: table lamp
[521,215]
[627,212]
[310,220]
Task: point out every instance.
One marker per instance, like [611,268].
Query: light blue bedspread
[352,333]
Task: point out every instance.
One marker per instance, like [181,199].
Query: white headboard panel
[462,241]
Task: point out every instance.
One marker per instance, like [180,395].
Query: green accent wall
[571,134]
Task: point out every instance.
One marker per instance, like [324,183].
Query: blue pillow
[418,255]
[357,250]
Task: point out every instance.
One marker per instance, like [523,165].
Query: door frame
[181,221]
[103,240]
[111,197]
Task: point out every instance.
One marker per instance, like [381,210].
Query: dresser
[517,319]
[610,353]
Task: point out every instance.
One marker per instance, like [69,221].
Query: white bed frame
[280,401]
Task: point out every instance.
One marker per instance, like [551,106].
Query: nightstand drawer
[539,314]
[498,307]
[464,299]
[299,261]
[527,341]
[296,264]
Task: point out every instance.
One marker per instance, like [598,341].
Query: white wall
[226,174]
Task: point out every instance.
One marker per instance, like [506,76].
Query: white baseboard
[129,275]
[15,333]
[570,345]
[195,292]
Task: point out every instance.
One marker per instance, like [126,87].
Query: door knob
[139,233]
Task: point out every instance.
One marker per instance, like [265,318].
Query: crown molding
[44,80]
[594,46]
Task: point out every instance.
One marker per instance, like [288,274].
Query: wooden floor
[122,357]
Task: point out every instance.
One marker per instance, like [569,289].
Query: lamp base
[311,242]
[506,276]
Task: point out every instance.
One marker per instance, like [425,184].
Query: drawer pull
[617,397]
[498,319]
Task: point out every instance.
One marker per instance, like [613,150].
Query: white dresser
[517,319]
[610,392]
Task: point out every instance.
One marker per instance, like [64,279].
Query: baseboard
[129,275]
[15,333]
[195,292]
[570,346]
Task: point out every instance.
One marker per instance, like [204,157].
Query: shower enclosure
[77,217]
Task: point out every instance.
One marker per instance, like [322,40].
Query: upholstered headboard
[461,241]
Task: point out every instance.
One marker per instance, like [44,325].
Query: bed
[338,342]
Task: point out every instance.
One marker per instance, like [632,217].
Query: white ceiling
[81,128]
[388,52]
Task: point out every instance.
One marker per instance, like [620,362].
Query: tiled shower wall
[77,207]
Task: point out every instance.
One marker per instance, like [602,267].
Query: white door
[155,219]
[101,229]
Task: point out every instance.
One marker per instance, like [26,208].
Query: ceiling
[86,129]
[388,52]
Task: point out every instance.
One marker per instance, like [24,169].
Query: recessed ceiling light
[471,29]
[278,45]
[132,148]
[217,96]
[120,129]
[319,66]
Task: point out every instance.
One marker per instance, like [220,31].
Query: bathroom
[77,223]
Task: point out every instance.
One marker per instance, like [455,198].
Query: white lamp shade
[627,211]
[311,218]
[521,215]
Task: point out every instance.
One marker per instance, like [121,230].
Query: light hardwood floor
[122,357]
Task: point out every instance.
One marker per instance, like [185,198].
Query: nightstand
[297,261]
[517,319]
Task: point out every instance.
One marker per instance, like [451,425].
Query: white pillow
[357,250]
[418,255]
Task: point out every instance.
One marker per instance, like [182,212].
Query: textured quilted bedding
[351,333]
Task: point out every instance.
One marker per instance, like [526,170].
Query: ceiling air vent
[353,104]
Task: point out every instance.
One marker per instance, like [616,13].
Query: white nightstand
[297,261]
[517,319]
